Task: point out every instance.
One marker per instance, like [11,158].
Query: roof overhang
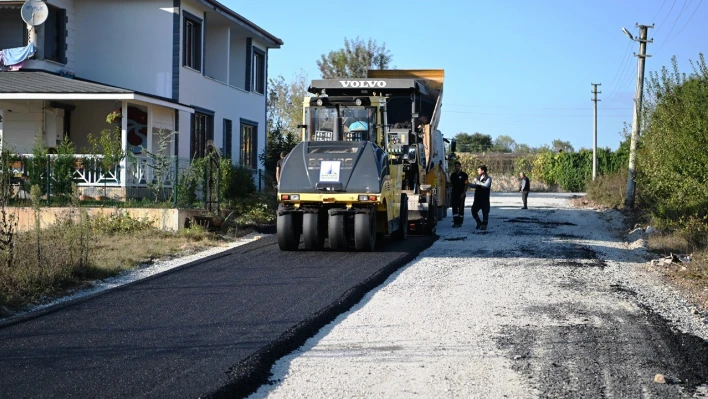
[273,42]
[96,96]
[40,85]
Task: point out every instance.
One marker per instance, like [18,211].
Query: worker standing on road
[459,181]
[483,187]
[524,187]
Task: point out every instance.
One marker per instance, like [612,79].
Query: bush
[120,223]
[672,159]
[608,190]
[236,182]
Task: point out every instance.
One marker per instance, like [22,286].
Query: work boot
[479,224]
[483,227]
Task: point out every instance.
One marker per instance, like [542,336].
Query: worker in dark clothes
[483,187]
[459,182]
[524,187]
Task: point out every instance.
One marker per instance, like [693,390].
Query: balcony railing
[87,171]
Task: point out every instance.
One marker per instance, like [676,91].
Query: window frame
[60,19]
[228,139]
[198,139]
[252,152]
[192,56]
[258,72]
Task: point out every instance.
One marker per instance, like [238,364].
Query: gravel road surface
[549,302]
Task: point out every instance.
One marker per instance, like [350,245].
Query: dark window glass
[248,145]
[192,41]
[227,138]
[258,72]
[201,133]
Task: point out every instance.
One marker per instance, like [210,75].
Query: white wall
[22,122]
[227,102]
[89,117]
[126,43]
[216,54]
[237,63]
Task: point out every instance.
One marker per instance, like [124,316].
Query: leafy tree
[504,144]
[672,159]
[284,109]
[284,114]
[354,60]
[559,145]
[523,149]
[476,142]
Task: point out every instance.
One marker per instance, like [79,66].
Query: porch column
[148,169]
[124,144]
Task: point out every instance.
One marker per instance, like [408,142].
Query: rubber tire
[312,234]
[402,232]
[365,232]
[288,232]
[336,232]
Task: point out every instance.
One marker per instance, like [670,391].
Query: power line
[667,16]
[626,51]
[682,28]
[683,8]
[660,8]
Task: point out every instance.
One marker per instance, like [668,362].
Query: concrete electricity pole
[632,171]
[594,130]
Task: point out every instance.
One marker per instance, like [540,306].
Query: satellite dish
[34,12]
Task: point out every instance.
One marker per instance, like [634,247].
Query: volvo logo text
[363,83]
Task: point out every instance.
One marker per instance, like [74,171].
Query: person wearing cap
[459,182]
[482,188]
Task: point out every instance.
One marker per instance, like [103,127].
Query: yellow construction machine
[349,179]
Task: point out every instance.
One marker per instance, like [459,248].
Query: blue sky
[517,68]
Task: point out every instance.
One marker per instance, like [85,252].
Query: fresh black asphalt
[212,328]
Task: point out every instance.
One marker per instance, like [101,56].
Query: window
[202,132]
[55,35]
[192,42]
[227,139]
[249,144]
[13,32]
[258,71]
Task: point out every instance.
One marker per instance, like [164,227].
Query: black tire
[402,232]
[288,232]
[337,236]
[365,231]
[312,234]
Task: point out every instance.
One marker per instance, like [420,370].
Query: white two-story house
[194,67]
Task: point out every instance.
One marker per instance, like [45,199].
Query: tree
[476,142]
[523,149]
[559,145]
[672,156]
[354,60]
[504,144]
[284,114]
[284,109]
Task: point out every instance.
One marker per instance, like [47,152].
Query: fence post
[49,180]
[174,183]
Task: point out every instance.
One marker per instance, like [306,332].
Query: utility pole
[632,170]
[594,130]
